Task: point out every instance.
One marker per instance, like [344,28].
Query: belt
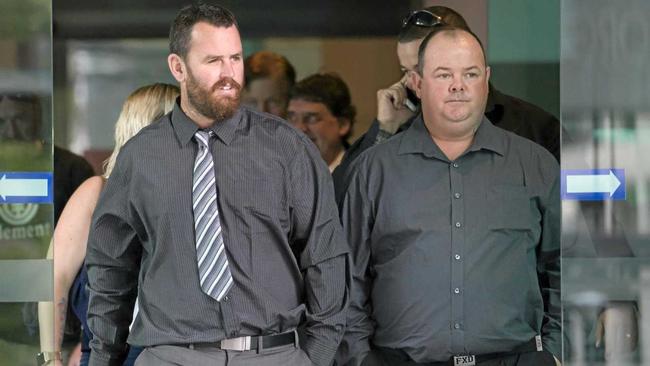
[252,343]
[462,360]
[534,345]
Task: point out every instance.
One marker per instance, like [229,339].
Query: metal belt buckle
[466,360]
[237,344]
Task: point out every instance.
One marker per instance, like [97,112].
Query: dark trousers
[288,355]
[384,357]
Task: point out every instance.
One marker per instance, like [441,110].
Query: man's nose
[457,85]
[228,69]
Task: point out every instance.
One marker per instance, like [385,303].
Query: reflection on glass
[25,146]
[606,243]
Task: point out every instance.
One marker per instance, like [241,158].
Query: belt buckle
[236,344]
[465,360]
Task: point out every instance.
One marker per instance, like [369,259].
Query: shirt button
[457,257]
[455,165]
[458,224]
[457,195]
[456,290]
[456,326]
[225,298]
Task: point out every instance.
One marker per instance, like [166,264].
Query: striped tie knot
[203,137]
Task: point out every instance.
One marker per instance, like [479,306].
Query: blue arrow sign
[593,184]
[26,187]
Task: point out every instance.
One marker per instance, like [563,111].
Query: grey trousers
[288,355]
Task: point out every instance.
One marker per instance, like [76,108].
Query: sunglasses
[422,18]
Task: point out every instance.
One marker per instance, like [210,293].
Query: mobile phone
[412,100]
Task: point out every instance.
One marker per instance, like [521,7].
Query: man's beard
[218,109]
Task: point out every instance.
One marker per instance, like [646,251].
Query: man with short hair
[395,114]
[221,220]
[454,228]
[269,77]
[321,107]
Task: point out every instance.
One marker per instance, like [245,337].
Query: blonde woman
[141,108]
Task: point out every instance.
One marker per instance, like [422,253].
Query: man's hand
[617,328]
[391,109]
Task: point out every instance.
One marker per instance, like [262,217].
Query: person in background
[269,77]
[321,107]
[68,246]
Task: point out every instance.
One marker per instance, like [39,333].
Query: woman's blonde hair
[144,106]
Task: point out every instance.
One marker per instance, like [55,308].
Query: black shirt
[70,171]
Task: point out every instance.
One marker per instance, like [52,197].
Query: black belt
[396,354]
[252,343]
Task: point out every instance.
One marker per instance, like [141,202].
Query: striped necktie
[214,273]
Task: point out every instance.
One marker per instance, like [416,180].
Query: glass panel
[606,209]
[25,174]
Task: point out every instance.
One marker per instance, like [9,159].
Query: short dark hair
[267,64]
[412,32]
[181,29]
[330,90]
[439,30]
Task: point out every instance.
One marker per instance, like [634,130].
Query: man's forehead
[443,47]
[306,106]
[206,33]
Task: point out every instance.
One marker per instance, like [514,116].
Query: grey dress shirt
[281,231]
[453,257]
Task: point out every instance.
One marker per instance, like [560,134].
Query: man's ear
[416,81]
[344,126]
[177,67]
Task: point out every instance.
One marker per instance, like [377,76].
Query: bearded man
[221,221]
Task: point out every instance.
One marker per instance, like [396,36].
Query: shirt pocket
[260,204]
[509,208]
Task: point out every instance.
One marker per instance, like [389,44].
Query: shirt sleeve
[113,262]
[548,258]
[323,254]
[357,218]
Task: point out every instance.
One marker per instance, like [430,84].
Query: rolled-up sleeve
[112,261]
[323,254]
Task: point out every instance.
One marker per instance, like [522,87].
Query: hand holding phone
[393,107]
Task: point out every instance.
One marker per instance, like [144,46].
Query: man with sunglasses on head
[454,230]
[397,105]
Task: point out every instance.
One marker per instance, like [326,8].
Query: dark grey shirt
[281,231]
[453,257]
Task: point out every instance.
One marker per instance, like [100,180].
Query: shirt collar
[185,128]
[337,161]
[417,140]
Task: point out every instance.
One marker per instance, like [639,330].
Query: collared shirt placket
[457,257]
